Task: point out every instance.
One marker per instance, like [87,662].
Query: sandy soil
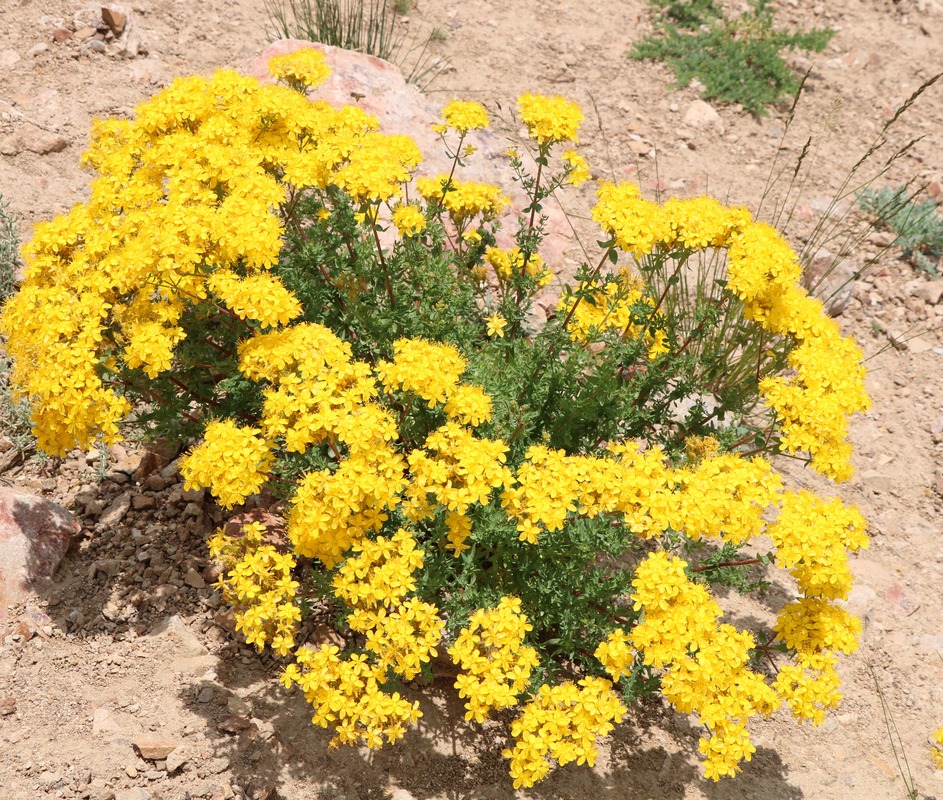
[130,640]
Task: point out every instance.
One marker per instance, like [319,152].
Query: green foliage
[917,224]
[14,413]
[737,60]
[689,14]
[362,25]
[9,251]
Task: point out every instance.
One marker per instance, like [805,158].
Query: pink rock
[30,138]
[154,748]
[379,87]
[34,536]
[900,603]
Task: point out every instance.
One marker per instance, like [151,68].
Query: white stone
[700,114]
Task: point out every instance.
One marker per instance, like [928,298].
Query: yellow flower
[455,469]
[496,325]
[459,529]
[495,663]
[615,654]
[577,169]
[463,199]
[232,461]
[465,116]
[470,405]
[430,370]
[378,167]
[508,264]
[381,573]
[550,119]
[257,582]
[409,220]
[303,68]
[263,298]
[562,723]
[936,751]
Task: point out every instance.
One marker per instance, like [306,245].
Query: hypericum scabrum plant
[550,509]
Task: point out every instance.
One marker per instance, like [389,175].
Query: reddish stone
[155,456]
[35,534]
[154,748]
[234,724]
[274,524]
[115,17]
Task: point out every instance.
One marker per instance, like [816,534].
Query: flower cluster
[257,581]
[454,470]
[232,461]
[724,497]
[577,168]
[302,69]
[707,664]
[346,694]
[550,119]
[616,654]
[936,750]
[562,723]
[427,369]
[612,306]
[546,490]
[401,633]
[495,663]
[262,298]
[463,116]
[382,573]
[317,395]
[819,563]
[378,168]
[509,264]
[813,405]
[409,220]
[183,220]
[463,200]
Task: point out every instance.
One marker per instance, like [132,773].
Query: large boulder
[35,534]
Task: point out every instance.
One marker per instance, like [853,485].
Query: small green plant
[9,251]
[14,414]
[917,224]
[737,60]
[689,14]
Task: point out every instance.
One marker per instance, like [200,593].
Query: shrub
[737,60]
[917,224]
[551,509]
